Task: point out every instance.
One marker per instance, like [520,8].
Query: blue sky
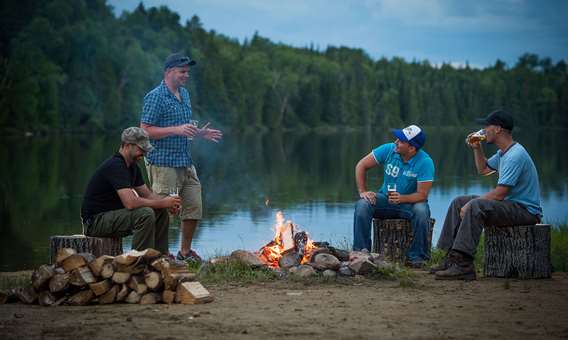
[478,32]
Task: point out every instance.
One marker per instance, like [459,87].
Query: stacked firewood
[143,277]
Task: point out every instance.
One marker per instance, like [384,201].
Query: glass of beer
[194,123]
[476,137]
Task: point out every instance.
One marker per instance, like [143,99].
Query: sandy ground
[483,309]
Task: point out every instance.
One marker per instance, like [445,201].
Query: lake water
[309,176]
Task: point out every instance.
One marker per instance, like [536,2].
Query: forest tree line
[73,65]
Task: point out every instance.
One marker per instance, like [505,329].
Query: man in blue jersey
[167,116]
[514,201]
[409,172]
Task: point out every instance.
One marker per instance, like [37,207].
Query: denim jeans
[417,213]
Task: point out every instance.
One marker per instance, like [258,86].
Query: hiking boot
[460,267]
[415,264]
[191,257]
[442,265]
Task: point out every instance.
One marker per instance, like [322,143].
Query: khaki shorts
[164,179]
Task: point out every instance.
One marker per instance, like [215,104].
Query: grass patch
[559,248]
[15,280]
[234,271]
[405,277]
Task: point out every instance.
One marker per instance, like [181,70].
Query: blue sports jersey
[406,175]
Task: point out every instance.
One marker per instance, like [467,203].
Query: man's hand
[369,196]
[394,197]
[187,130]
[171,202]
[213,135]
[473,145]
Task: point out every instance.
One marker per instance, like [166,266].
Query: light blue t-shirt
[406,175]
[517,171]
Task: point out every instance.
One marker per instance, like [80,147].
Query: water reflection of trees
[44,178]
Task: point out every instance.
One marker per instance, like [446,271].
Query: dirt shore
[483,309]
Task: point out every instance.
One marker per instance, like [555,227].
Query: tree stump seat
[518,252]
[392,238]
[97,246]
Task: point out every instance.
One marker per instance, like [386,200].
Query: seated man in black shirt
[118,203]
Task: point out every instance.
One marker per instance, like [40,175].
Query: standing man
[117,203]
[167,117]
[409,172]
[514,201]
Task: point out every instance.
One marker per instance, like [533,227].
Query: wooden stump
[97,246]
[392,238]
[520,251]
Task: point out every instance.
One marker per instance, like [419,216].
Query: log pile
[142,277]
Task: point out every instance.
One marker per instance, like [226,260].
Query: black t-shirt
[112,175]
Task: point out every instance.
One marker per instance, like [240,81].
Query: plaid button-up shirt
[162,109]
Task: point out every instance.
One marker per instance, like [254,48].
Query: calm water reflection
[309,176]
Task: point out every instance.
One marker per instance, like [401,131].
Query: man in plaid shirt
[167,118]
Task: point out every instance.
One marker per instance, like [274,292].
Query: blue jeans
[417,213]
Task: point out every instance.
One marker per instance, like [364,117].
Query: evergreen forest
[73,65]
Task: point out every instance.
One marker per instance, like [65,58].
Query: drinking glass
[194,123]
[391,187]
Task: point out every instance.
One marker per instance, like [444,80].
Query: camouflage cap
[138,136]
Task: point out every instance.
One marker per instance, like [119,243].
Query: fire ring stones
[324,261]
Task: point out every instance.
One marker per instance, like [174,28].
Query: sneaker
[191,257]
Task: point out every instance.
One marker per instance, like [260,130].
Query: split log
[110,296]
[392,238]
[122,293]
[107,271]
[82,276]
[133,297]
[59,282]
[153,280]
[41,276]
[62,254]
[150,299]
[77,260]
[519,251]
[120,277]
[168,296]
[138,284]
[97,246]
[99,288]
[45,298]
[27,294]
[97,265]
[190,293]
[81,298]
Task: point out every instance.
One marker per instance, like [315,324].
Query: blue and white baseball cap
[412,134]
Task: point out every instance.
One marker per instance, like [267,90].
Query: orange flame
[275,249]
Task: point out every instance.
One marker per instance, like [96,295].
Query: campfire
[291,246]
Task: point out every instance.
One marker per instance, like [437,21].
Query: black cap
[177,60]
[499,118]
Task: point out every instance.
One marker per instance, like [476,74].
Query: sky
[477,32]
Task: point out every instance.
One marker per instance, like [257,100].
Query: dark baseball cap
[137,136]
[499,118]
[177,60]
